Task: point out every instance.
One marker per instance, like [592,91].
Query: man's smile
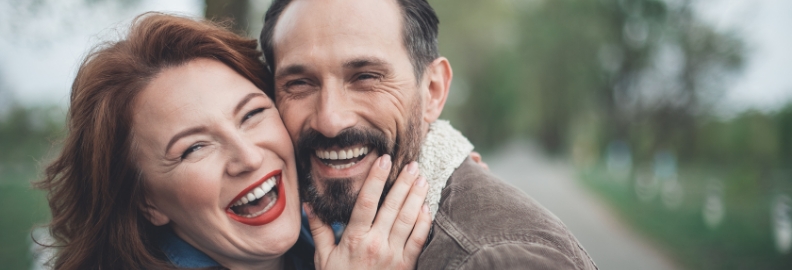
[342,158]
[335,162]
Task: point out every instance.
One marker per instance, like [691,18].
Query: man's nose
[245,157]
[334,112]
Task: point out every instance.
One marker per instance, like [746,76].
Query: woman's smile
[260,203]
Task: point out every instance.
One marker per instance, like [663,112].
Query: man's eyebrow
[290,70]
[184,133]
[245,101]
[365,62]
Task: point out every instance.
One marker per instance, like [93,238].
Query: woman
[175,157]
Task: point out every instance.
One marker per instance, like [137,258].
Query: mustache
[310,140]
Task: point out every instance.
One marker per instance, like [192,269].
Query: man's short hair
[419,33]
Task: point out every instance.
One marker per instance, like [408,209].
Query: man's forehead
[342,22]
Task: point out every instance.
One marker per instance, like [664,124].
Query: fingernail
[308,210]
[412,168]
[384,161]
[425,208]
[421,181]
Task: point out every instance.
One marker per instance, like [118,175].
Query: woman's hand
[476,157]
[390,239]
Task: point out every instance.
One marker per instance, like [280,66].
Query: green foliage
[25,141]
[537,67]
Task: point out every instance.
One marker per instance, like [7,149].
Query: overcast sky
[38,58]
[766,26]
[40,64]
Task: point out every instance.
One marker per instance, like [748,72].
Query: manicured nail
[425,208]
[412,168]
[384,161]
[421,181]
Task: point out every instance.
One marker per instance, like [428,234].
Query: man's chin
[333,190]
[334,203]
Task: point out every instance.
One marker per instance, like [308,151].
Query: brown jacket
[485,223]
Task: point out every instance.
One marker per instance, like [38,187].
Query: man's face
[346,90]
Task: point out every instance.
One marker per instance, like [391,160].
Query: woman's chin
[275,235]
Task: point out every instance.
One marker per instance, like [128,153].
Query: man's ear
[439,74]
[154,215]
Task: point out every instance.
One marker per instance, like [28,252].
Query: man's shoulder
[483,221]
[479,203]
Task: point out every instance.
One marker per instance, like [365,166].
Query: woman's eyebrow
[184,133]
[245,101]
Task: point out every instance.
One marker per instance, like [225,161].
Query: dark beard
[336,203]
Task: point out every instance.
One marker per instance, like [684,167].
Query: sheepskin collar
[443,151]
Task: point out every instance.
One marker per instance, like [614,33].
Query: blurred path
[610,243]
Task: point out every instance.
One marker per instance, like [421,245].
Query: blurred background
[659,131]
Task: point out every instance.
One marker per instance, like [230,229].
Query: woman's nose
[245,157]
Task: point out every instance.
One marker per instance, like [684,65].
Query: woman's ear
[154,215]
[439,74]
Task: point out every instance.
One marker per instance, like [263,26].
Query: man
[356,79]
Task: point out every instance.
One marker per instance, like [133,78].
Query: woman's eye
[190,150]
[251,114]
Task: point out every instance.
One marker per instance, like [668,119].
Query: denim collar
[183,255]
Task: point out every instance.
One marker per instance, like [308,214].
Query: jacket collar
[182,255]
[443,151]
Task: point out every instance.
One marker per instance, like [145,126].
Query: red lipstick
[271,214]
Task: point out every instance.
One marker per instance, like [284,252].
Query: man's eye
[367,76]
[190,150]
[251,114]
[295,83]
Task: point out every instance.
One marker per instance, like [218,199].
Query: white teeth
[343,153]
[258,192]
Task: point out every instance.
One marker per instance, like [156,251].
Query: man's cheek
[292,126]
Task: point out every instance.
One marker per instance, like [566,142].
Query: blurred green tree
[562,63]
[236,11]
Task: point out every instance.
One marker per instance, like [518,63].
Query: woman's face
[217,163]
